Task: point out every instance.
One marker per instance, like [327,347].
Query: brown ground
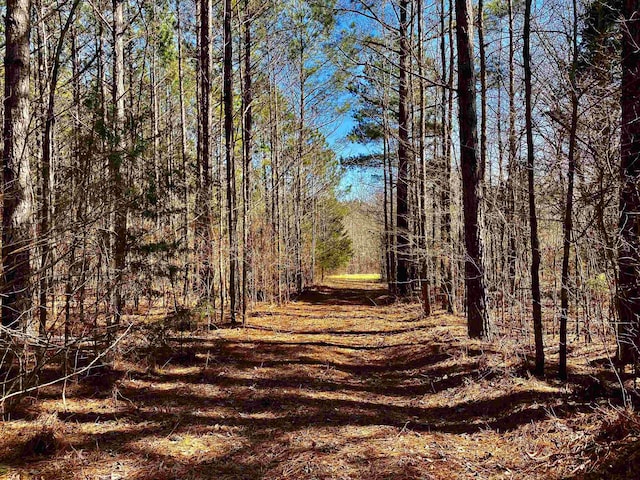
[341,384]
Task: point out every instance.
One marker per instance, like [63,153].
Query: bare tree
[533,217]
[568,212]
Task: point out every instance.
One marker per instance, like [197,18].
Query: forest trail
[340,384]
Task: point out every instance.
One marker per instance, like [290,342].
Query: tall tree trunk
[533,218]
[76,191]
[483,94]
[629,223]
[402,190]
[422,174]
[471,192]
[229,158]
[155,134]
[568,211]
[275,181]
[46,207]
[203,203]
[17,231]
[117,157]
[246,173]
[387,204]
[512,165]
[183,155]
[44,213]
[445,192]
[297,187]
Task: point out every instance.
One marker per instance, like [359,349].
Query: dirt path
[337,385]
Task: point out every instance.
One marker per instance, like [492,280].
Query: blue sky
[356,183]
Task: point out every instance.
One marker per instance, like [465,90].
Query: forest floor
[340,384]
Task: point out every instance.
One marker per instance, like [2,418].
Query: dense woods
[521,226]
[142,171]
[176,166]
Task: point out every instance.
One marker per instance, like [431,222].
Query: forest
[320,239]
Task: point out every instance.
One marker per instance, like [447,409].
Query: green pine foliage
[334,248]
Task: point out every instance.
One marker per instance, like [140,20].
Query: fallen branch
[70,375]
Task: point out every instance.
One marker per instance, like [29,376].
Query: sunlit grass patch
[357,277]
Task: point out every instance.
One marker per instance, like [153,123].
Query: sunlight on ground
[342,383]
[356,277]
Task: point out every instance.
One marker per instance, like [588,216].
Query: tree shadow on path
[261,398]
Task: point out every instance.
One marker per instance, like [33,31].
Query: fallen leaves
[342,385]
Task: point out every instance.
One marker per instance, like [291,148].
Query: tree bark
[533,218]
[568,212]
[229,158]
[17,203]
[46,207]
[183,155]
[402,190]
[445,192]
[471,191]
[203,203]
[116,159]
[246,173]
[422,174]
[512,165]
[297,187]
[44,190]
[483,94]
[629,222]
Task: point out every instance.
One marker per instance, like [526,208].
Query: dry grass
[356,277]
[341,384]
